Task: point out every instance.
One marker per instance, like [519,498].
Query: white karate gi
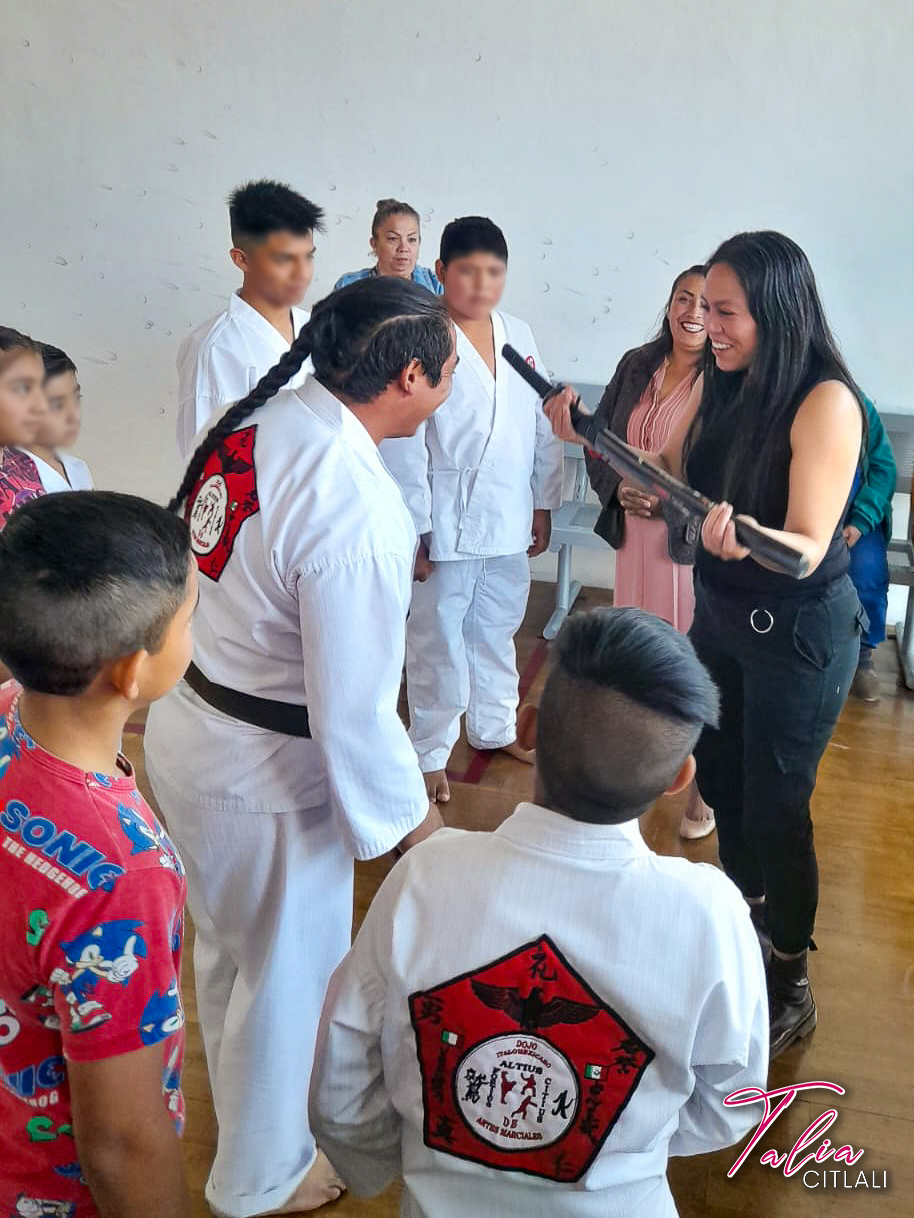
[78,473]
[79,476]
[472,478]
[480,978]
[221,361]
[305,602]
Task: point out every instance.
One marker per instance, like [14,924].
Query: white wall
[615,142]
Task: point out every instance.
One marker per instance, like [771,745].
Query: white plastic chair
[572,524]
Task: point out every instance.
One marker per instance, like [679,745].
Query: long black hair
[656,349]
[359,339]
[755,407]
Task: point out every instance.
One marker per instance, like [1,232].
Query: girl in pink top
[646,576]
[642,405]
[22,406]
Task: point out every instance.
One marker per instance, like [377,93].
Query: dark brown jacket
[620,397]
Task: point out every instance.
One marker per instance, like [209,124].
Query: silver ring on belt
[767,624]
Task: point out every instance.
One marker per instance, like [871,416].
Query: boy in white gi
[58,469]
[481,480]
[532,1020]
[273,246]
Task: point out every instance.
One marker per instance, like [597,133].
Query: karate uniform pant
[271,900]
[460,654]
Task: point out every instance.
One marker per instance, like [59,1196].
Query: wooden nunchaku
[627,462]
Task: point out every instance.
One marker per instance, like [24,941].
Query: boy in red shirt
[97,592]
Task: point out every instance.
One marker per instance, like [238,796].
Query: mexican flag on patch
[594,1071]
[449,1038]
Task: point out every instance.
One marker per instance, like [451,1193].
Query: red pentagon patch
[531,361]
[524,1067]
[223,499]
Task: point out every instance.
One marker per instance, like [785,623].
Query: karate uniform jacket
[531,1021]
[221,361]
[486,458]
[306,551]
[79,476]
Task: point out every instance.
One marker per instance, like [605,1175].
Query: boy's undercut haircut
[472,235]
[56,361]
[622,709]
[258,209]
[87,578]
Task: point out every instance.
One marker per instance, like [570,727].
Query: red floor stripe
[481,760]
[531,672]
[476,768]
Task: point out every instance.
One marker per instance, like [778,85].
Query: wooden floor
[863,973]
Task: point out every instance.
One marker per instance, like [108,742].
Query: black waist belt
[287,718]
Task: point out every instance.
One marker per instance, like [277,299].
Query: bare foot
[321,1186]
[698,819]
[528,756]
[436,785]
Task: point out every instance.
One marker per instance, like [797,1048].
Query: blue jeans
[869,570]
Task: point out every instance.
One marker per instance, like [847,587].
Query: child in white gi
[58,469]
[221,361]
[532,1021]
[481,480]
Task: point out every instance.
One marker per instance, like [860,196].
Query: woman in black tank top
[774,432]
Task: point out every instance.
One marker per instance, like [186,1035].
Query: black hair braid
[267,387]
[361,337]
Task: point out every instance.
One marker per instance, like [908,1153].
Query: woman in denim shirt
[395,241]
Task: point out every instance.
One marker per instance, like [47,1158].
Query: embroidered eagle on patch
[532,1013]
[524,1066]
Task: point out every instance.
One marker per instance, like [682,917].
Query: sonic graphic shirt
[91,926]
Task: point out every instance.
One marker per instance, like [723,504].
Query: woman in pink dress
[642,404]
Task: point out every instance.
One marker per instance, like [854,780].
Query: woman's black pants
[783,665]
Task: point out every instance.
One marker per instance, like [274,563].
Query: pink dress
[646,576]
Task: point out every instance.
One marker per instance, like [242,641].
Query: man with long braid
[265,759]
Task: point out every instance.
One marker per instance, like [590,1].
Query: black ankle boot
[792,1009]
[758,911]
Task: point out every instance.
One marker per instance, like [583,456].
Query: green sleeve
[873,501]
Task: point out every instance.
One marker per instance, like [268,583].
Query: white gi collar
[248,316]
[330,410]
[537,828]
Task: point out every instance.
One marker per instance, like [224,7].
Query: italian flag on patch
[449,1038]
[594,1071]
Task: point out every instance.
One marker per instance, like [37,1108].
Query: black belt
[287,718]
